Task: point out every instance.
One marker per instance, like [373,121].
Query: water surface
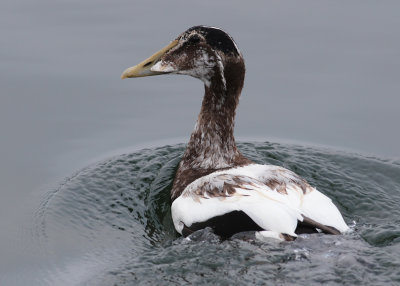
[110,224]
[320,72]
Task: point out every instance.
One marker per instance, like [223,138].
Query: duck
[215,185]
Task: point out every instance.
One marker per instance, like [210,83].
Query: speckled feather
[212,144]
[273,197]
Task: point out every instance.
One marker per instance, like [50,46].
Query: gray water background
[318,72]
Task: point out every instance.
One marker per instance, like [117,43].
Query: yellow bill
[144,68]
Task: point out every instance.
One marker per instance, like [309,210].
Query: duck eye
[194,39]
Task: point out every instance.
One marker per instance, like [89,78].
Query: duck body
[215,185]
[255,197]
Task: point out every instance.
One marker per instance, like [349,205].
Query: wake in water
[110,223]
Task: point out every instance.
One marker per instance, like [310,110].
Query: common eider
[215,185]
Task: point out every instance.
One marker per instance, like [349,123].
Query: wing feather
[273,197]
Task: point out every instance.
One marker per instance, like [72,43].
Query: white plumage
[270,208]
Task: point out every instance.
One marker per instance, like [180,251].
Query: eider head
[207,53]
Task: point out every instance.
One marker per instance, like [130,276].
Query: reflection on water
[110,224]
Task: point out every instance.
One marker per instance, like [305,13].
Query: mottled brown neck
[212,144]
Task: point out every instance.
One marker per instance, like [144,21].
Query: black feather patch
[217,39]
[225,225]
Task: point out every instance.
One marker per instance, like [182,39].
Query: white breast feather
[267,207]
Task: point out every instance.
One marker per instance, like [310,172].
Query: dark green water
[110,224]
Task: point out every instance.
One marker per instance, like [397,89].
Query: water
[324,73]
[110,224]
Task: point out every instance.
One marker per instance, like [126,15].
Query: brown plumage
[213,135]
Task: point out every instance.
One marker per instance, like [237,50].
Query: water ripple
[110,224]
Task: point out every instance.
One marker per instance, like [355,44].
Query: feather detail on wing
[273,197]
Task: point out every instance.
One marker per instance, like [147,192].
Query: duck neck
[212,143]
